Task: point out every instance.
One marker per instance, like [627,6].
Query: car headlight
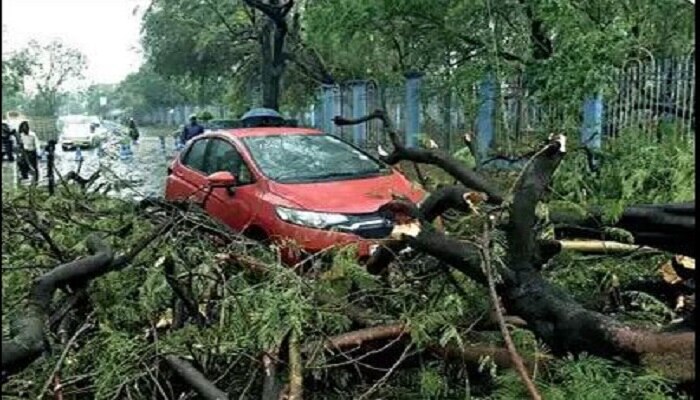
[318,220]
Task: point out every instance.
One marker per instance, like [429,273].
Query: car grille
[368,226]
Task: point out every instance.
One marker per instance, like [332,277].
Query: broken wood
[19,352]
[195,379]
[27,346]
[464,175]
[550,313]
[664,226]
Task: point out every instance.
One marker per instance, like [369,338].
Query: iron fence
[646,96]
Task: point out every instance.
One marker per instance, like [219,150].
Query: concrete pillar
[592,128]
[329,108]
[413,108]
[359,109]
[484,119]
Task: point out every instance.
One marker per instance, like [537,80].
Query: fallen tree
[549,312]
[246,325]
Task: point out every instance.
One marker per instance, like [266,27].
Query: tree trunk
[273,59]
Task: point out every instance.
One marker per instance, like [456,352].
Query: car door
[188,180]
[233,207]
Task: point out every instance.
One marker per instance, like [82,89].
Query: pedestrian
[133,130]
[28,145]
[191,130]
[7,144]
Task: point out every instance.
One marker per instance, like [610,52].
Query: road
[142,174]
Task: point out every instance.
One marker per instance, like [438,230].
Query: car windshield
[77,130]
[308,158]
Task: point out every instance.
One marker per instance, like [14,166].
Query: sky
[106,31]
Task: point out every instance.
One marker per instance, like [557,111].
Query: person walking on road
[28,147]
[133,130]
[8,149]
[191,130]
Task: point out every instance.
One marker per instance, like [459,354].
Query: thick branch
[277,13]
[195,379]
[529,190]
[357,338]
[455,168]
[28,345]
[664,226]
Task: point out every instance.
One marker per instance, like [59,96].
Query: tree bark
[195,379]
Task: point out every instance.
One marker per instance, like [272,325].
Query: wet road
[142,174]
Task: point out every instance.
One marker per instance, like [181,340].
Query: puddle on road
[141,175]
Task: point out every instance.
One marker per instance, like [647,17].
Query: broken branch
[195,379]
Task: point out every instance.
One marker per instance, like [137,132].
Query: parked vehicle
[282,183]
[83,134]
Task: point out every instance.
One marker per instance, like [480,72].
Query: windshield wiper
[360,174]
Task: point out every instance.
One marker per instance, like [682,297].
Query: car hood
[352,196]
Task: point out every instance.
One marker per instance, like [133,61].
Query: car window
[194,158]
[223,156]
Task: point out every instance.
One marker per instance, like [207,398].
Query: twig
[386,376]
[515,357]
[57,367]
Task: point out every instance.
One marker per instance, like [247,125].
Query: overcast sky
[106,31]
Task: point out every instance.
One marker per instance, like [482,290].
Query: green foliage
[15,67]
[586,378]
[206,116]
[53,65]
[635,169]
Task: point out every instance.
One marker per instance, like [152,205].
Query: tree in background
[565,48]
[15,67]
[146,91]
[93,96]
[243,46]
[53,65]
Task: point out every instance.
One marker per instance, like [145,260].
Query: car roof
[268,131]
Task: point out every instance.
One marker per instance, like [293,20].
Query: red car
[289,184]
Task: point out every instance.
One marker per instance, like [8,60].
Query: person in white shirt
[28,144]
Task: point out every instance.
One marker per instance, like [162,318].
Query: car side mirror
[220,179]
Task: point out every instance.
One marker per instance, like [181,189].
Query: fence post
[328,108]
[592,128]
[484,121]
[413,109]
[50,157]
[359,109]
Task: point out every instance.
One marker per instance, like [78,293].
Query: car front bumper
[76,142]
[297,240]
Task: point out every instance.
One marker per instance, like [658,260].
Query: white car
[79,135]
